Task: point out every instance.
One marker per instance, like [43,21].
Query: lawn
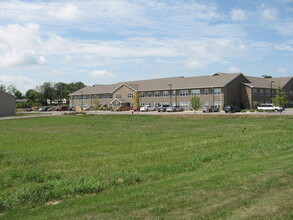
[146,167]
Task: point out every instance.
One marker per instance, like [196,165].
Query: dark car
[62,108]
[211,108]
[232,108]
[162,108]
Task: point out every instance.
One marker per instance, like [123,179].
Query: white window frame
[218,104]
[217,91]
[130,95]
[261,91]
[118,96]
[184,104]
[165,93]
[183,92]
[157,94]
[206,91]
[268,92]
[195,92]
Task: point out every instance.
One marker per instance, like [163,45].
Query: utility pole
[170,85]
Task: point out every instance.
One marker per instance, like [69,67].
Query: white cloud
[269,14]
[20,82]
[234,69]
[195,65]
[67,12]
[19,59]
[281,70]
[101,74]
[238,15]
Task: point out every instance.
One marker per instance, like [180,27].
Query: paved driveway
[50,114]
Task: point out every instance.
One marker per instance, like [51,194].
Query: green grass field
[146,167]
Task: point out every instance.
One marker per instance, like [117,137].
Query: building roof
[259,82]
[216,80]
[6,93]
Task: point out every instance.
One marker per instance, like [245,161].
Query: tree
[136,100]
[2,87]
[195,103]
[97,103]
[280,98]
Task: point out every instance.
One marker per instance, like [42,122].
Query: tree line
[47,91]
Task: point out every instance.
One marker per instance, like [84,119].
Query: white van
[269,107]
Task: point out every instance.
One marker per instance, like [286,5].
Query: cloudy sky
[106,41]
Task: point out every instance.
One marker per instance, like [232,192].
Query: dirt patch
[54,202]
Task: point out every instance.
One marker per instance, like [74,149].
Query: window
[157,94]
[184,104]
[206,103]
[174,92]
[165,103]
[118,96]
[157,104]
[183,92]
[142,94]
[217,104]
[217,91]
[195,92]
[110,96]
[141,104]
[261,92]
[206,91]
[291,93]
[165,93]
[268,92]
[149,94]
[254,91]
[130,95]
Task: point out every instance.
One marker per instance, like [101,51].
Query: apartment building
[7,104]
[219,89]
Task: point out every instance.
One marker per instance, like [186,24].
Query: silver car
[174,109]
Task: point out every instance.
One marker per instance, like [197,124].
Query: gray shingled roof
[259,82]
[217,80]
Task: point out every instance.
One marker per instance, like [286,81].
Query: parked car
[211,108]
[162,108]
[44,108]
[72,108]
[269,107]
[232,108]
[147,108]
[29,109]
[62,108]
[174,109]
[52,109]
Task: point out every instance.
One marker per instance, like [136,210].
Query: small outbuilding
[7,104]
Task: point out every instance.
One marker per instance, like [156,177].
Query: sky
[109,41]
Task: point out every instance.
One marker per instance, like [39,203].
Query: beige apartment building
[219,89]
[7,104]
